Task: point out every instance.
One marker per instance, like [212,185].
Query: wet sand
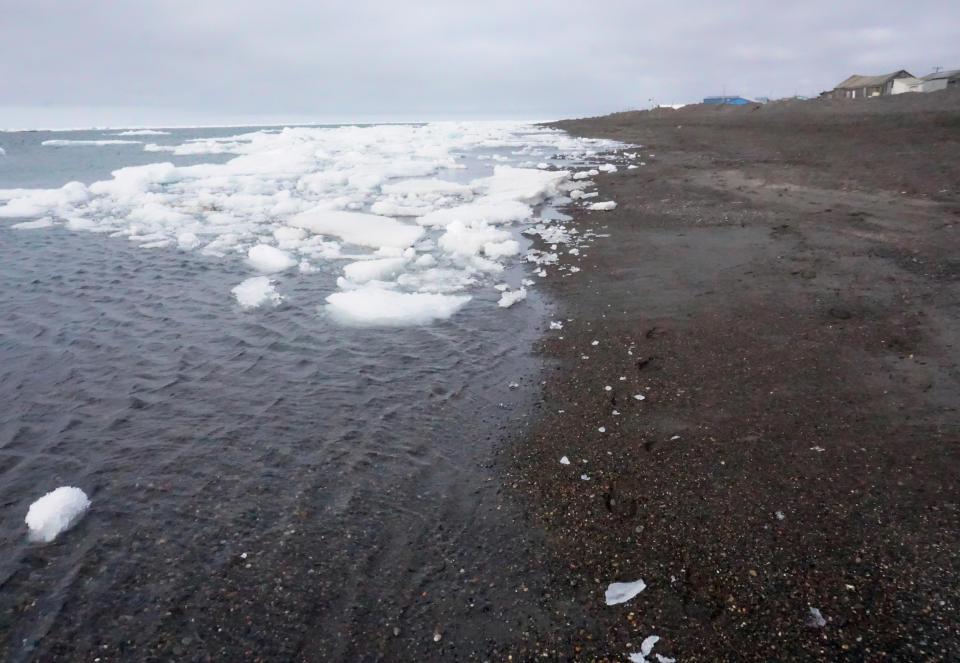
[781,285]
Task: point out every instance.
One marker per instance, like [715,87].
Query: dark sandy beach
[781,284]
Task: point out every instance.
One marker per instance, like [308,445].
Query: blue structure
[737,101]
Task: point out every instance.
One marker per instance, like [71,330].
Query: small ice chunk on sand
[607,168]
[639,397]
[585,477]
[608,388]
[56,512]
[269,259]
[621,592]
[602,429]
[509,298]
[374,306]
[780,515]
[595,342]
[816,620]
[564,461]
[554,324]
[602,207]
[256,291]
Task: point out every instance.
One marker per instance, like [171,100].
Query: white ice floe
[376,306]
[45,222]
[269,259]
[56,512]
[602,207]
[256,291]
[364,271]
[65,143]
[509,298]
[621,592]
[143,132]
[607,168]
[357,228]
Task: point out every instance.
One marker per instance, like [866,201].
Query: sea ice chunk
[602,207]
[509,298]
[621,592]
[369,270]
[56,512]
[256,291]
[376,306]
[357,228]
[269,259]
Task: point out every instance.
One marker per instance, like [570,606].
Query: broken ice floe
[602,207]
[301,196]
[621,592]
[509,298]
[56,512]
[256,291]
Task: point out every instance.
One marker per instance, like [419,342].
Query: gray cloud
[179,59]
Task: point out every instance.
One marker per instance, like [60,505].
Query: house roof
[953,73]
[857,81]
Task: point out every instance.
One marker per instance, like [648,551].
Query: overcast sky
[130,62]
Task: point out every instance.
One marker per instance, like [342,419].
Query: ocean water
[306,475]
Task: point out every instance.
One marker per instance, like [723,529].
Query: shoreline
[780,285]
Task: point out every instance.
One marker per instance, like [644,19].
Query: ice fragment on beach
[645,648]
[602,429]
[564,461]
[780,515]
[508,299]
[514,385]
[621,592]
[256,291]
[585,477]
[602,207]
[64,143]
[56,512]
[816,620]
[269,259]
[608,168]
[556,325]
[595,342]
[817,448]
[639,397]
[608,388]
[674,437]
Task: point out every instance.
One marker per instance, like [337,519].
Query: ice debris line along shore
[379,202]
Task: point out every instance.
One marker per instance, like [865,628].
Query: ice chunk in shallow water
[143,132]
[357,228]
[56,512]
[65,143]
[376,306]
[602,207]
[621,592]
[479,211]
[269,259]
[508,298]
[188,241]
[256,291]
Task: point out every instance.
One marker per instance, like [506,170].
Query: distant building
[864,87]
[941,80]
[736,101]
[907,84]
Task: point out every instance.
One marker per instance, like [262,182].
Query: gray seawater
[266,485]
